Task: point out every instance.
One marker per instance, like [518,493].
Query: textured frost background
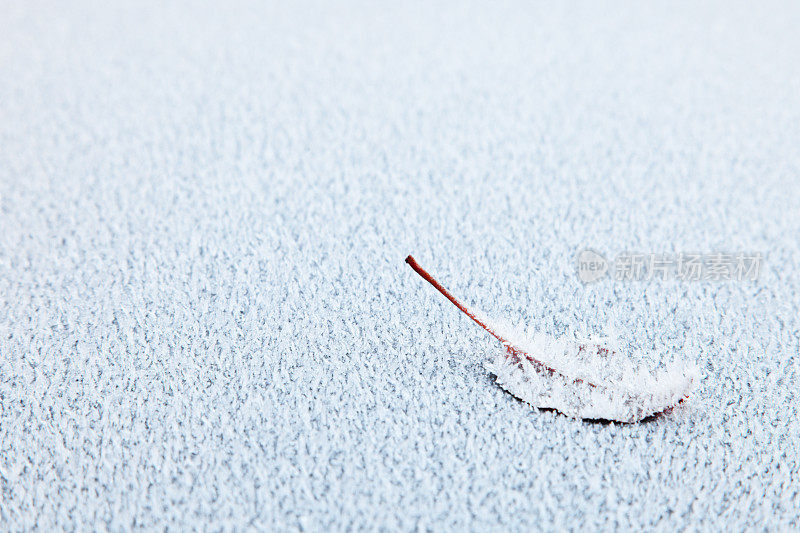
[205,318]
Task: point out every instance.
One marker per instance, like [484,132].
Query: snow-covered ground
[206,320]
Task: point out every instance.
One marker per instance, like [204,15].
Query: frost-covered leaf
[582,378]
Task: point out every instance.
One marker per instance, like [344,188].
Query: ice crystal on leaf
[582,378]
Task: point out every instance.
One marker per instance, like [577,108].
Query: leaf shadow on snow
[595,421]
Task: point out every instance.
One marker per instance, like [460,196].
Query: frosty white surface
[205,321]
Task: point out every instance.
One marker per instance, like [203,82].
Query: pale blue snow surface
[205,318]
